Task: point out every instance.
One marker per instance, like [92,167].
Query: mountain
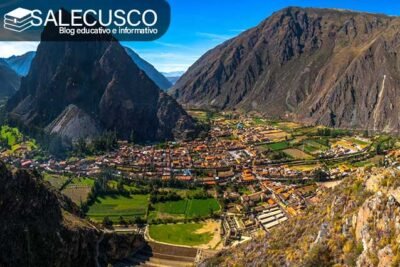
[81,89]
[321,66]
[150,70]
[174,76]
[9,80]
[21,64]
[41,227]
[352,224]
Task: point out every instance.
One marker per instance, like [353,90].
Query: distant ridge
[9,80]
[157,77]
[21,64]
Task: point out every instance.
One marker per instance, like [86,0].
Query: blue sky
[197,26]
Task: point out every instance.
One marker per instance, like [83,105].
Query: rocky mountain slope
[21,64]
[332,67]
[9,80]
[158,78]
[41,227]
[357,223]
[80,89]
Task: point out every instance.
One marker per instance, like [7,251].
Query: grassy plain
[188,234]
[187,208]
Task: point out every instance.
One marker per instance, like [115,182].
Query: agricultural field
[187,208]
[184,193]
[305,168]
[78,195]
[288,126]
[112,184]
[82,181]
[374,161]
[78,189]
[346,143]
[313,147]
[276,135]
[56,180]
[203,116]
[278,146]
[260,121]
[297,154]
[362,143]
[188,234]
[115,206]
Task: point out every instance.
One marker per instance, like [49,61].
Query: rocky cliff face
[41,227]
[355,224]
[9,80]
[103,85]
[330,67]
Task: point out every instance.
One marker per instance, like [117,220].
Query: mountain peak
[319,66]
[98,82]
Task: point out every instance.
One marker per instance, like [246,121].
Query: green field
[115,206]
[82,181]
[278,146]
[112,184]
[187,208]
[180,234]
[78,189]
[312,147]
[55,180]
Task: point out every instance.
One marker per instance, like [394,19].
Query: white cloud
[214,36]
[168,61]
[8,49]
[171,45]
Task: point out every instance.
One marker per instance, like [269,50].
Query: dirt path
[213,227]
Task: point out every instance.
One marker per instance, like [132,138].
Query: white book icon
[18,20]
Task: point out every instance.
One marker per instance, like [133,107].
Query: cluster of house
[215,160]
[271,204]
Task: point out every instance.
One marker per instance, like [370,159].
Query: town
[247,175]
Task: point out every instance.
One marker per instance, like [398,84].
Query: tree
[122,221]
[56,146]
[132,137]
[107,223]
[320,175]
[81,147]
[379,149]
[120,187]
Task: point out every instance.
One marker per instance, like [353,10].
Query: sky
[199,25]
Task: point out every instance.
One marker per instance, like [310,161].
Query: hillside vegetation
[353,224]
